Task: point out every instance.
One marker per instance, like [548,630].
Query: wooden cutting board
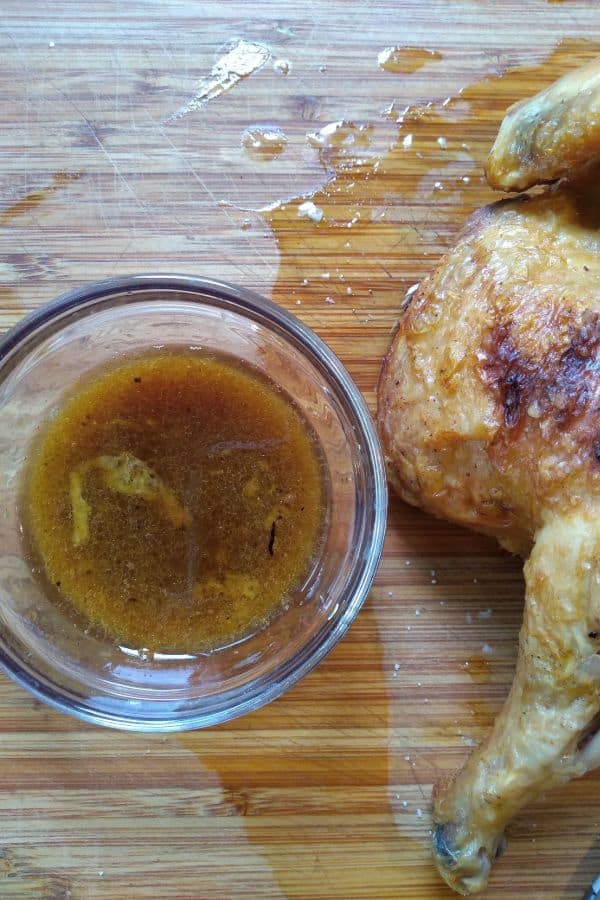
[325,793]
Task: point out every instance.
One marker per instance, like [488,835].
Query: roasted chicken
[549,136]
[489,413]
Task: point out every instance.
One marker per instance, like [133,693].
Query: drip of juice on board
[174,502]
[403,60]
[398,191]
[263,142]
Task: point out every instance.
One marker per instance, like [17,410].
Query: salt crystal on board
[308,210]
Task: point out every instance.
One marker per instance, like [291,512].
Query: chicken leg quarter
[489,413]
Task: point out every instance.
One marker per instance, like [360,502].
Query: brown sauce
[175,501]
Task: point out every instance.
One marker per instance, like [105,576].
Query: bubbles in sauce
[175,501]
[264,142]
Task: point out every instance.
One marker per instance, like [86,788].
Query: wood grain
[325,793]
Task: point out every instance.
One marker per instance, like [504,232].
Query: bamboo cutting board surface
[326,792]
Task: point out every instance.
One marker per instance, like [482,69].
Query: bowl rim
[254,306]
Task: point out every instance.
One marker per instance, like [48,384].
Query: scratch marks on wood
[35,198]
[195,175]
[101,146]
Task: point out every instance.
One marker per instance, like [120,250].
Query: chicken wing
[489,413]
[550,135]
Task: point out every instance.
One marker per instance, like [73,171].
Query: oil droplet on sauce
[174,502]
[403,60]
[263,142]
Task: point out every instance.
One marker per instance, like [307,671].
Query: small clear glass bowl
[47,651]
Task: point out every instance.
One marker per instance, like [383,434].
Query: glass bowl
[41,646]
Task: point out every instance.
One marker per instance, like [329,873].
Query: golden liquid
[403,60]
[175,501]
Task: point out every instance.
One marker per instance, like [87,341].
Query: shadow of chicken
[489,413]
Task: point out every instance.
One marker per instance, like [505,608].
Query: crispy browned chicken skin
[489,412]
[550,135]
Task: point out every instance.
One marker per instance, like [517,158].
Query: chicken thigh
[489,414]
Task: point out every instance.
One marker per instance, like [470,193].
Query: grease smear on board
[396,193]
[235,64]
[403,60]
